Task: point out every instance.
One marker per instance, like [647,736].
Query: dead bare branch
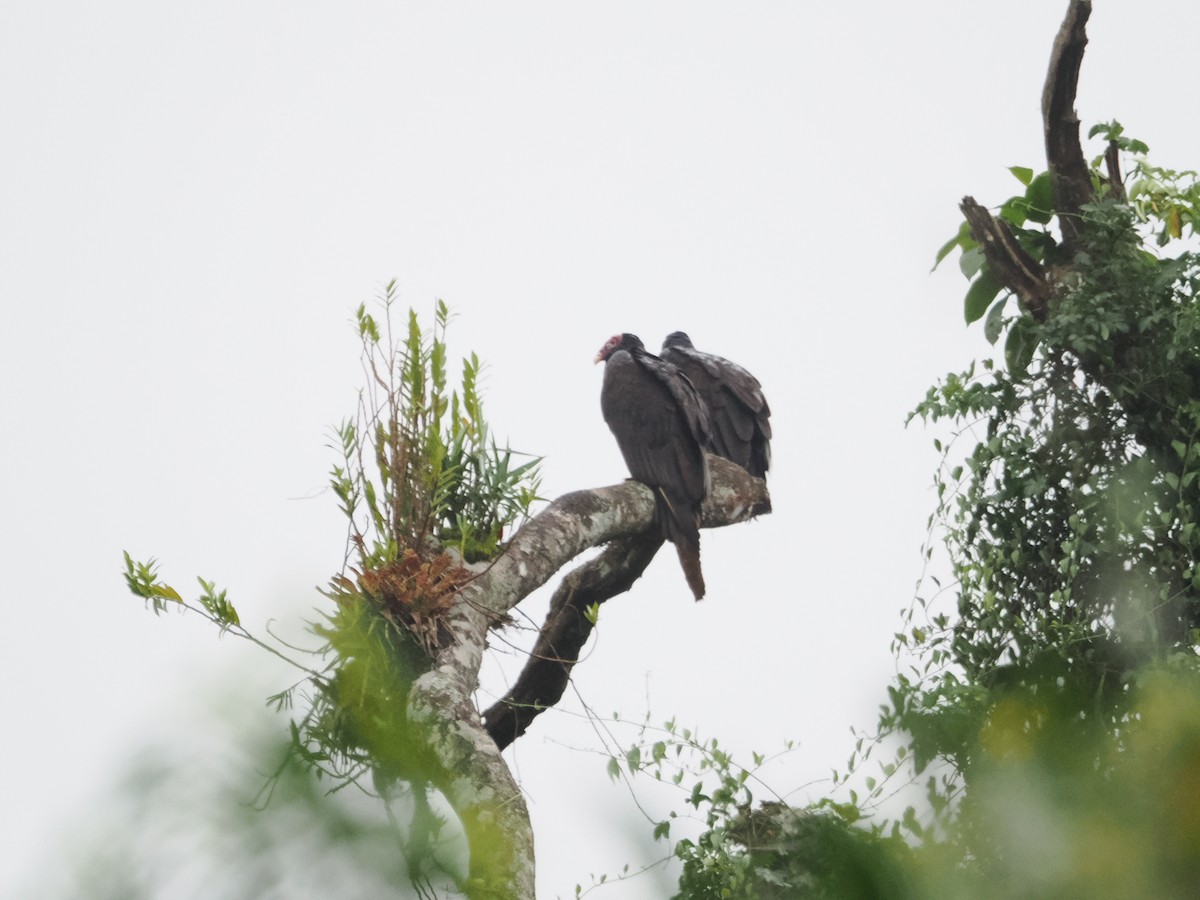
[1069,174]
[1007,260]
[1112,162]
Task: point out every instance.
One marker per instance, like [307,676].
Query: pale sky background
[194,198]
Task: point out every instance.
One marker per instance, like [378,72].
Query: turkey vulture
[662,429]
[738,415]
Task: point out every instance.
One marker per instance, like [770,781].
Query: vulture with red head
[738,414]
[661,428]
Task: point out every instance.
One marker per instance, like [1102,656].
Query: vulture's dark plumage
[738,415]
[662,429]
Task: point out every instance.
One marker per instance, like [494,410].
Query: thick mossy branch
[474,777]
[735,496]
[567,628]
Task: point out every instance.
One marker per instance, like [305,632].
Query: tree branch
[473,776]
[735,496]
[583,519]
[545,676]
[1112,162]
[1069,174]
[1008,260]
[475,779]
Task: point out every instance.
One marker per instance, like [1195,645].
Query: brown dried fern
[416,594]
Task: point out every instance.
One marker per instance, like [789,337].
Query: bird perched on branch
[738,414]
[661,428]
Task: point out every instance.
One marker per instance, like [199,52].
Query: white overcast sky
[194,197]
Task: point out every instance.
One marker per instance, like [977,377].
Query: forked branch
[735,497]
[621,516]
[1070,177]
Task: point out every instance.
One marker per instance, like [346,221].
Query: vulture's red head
[615,343]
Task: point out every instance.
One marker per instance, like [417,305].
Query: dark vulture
[738,415]
[662,429]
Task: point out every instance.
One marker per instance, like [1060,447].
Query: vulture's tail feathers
[689,558]
[681,526]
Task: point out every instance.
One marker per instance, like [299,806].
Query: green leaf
[614,768]
[994,323]
[1015,211]
[662,830]
[1019,347]
[1022,174]
[1040,195]
[633,758]
[980,294]
[971,261]
[962,240]
[945,251]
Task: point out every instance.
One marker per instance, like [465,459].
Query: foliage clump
[426,493]
[1070,525]
[419,469]
[1052,713]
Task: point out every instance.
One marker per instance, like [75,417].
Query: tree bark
[1070,177]
[1112,162]
[735,496]
[1069,173]
[567,628]
[476,781]
[1007,260]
